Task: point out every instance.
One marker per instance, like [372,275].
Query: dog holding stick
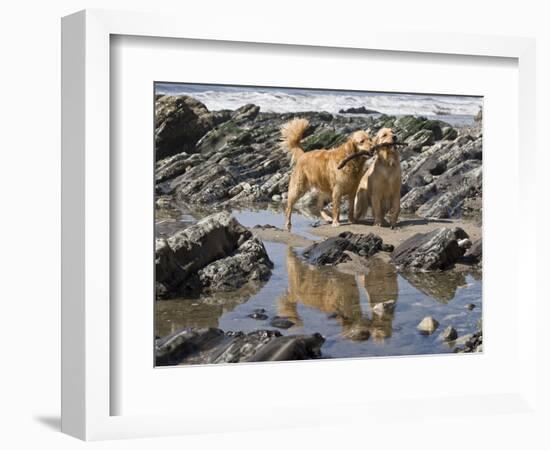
[380,186]
[318,169]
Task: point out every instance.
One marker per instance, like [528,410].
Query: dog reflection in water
[337,295]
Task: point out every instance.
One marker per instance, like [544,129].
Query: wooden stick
[368,153]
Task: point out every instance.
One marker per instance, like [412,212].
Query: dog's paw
[335,224]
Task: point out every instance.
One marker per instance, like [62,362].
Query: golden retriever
[380,186]
[318,169]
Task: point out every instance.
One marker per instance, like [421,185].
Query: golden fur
[318,169]
[380,187]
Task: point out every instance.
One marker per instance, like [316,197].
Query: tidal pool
[336,304]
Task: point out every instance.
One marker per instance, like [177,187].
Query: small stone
[449,334]
[383,308]
[428,325]
[276,198]
[281,322]
[258,316]
[470,306]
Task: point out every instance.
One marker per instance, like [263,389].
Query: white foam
[288,100]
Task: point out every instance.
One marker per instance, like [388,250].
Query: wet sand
[407,227]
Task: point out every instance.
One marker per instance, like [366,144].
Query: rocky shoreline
[227,158]
[217,161]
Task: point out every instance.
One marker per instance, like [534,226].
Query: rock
[258,316]
[428,325]
[180,121]
[474,253]
[471,343]
[470,306]
[384,307]
[246,112]
[260,345]
[359,110]
[420,139]
[463,339]
[436,250]
[249,263]
[323,139]
[449,334]
[176,347]
[333,250]
[290,348]
[169,274]
[230,150]
[449,134]
[217,253]
[281,322]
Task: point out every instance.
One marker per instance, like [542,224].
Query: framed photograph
[302,216]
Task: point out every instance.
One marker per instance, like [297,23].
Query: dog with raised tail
[318,169]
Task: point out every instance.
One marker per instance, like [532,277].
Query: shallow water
[336,304]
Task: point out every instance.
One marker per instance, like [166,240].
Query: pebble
[428,325]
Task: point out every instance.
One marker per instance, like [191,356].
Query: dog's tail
[291,135]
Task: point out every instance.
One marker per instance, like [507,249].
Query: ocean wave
[297,100]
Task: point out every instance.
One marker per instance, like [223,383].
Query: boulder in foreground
[212,345]
[215,254]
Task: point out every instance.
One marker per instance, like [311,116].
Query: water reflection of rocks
[441,286]
[338,295]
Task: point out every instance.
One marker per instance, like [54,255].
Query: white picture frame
[87,323]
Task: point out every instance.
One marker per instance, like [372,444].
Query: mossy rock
[323,139]
[435,127]
[449,133]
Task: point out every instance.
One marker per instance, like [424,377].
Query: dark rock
[359,110]
[436,250]
[449,134]
[470,306]
[449,334]
[215,254]
[169,274]
[258,316]
[333,250]
[474,253]
[290,348]
[180,121]
[249,263]
[420,139]
[212,346]
[246,112]
[470,343]
[237,347]
[174,348]
[281,322]
[323,139]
